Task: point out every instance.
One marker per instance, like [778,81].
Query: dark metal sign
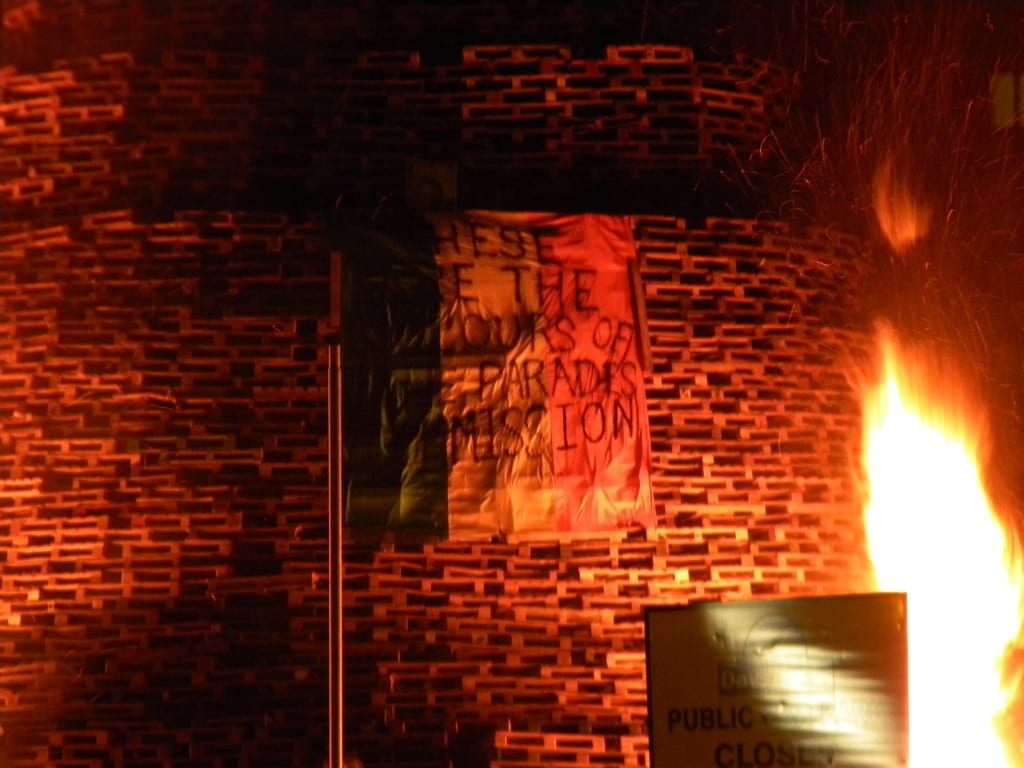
[800,683]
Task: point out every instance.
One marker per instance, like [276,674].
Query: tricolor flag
[540,393]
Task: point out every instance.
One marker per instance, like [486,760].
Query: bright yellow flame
[932,534]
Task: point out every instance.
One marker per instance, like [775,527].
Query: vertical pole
[335,526]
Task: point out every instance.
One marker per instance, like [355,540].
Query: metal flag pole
[335,524]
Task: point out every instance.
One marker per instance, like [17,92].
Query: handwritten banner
[542,385]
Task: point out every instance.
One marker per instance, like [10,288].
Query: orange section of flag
[542,383]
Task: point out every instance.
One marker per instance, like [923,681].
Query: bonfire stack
[169,172]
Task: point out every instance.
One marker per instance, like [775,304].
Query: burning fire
[902,219]
[932,533]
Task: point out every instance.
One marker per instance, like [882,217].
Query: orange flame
[932,533]
[903,220]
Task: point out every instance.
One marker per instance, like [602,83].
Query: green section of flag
[394,467]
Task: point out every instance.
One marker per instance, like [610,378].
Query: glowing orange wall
[163,307]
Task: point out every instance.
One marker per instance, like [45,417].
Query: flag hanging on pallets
[522,406]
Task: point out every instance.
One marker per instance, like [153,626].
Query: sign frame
[803,682]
